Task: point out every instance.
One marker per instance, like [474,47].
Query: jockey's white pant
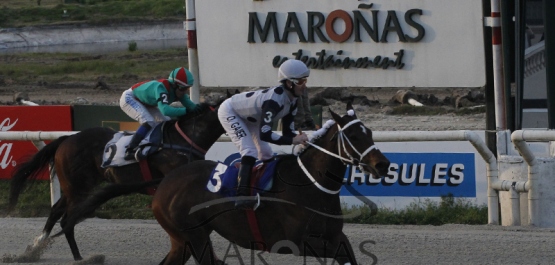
[244,134]
[140,112]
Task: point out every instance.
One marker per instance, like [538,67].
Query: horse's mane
[191,114]
[314,137]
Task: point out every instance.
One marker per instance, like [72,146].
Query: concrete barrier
[79,34]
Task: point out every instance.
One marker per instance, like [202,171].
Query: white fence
[530,184]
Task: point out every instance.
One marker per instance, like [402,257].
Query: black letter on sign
[392,19]
[263,33]
[292,18]
[316,28]
[360,20]
[409,19]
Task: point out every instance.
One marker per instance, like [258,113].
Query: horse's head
[356,144]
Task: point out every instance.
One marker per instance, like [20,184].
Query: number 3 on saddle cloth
[223,179]
[115,148]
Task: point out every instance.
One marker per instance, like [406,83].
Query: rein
[342,138]
[198,148]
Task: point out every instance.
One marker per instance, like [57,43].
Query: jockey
[149,102]
[248,119]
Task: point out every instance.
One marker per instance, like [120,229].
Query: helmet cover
[293,70]
[182,77]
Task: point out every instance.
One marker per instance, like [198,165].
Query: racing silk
[263,107]
[160,93]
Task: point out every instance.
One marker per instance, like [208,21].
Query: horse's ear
[351,110]
[228,95]
[220,100]
[349,105]
[337,118]
[237,91]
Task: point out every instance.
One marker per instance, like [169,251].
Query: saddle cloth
[115,148]
[223,178]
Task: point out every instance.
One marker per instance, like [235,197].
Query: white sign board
[393,43]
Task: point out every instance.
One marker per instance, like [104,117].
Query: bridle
[341,148]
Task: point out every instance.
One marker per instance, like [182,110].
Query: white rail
[38,137]
[43,136]
[494,184]
[519,139]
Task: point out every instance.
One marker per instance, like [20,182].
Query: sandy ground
[144,242]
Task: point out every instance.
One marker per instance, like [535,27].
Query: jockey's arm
[167,110]
[188,104]
[288,125]
[270,109]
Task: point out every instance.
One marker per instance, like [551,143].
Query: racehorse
[78,158]
[301,208]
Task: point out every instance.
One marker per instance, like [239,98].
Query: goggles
[183,88]
[300,81]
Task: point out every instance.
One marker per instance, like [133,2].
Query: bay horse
[302,207]
[77,160]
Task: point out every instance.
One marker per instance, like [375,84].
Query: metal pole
[520,12]
[191,27]
[512,107]
[549,38]
[500,120]
[491,136]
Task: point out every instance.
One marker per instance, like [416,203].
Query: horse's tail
[31,169]
[99,197]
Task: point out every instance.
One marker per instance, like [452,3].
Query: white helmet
[292,70]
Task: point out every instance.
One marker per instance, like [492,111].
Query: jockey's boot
[245,171]
[135,141]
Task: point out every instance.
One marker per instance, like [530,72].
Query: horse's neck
[202,134]
[323,164]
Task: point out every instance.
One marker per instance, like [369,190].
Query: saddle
[114,151]
[223,178]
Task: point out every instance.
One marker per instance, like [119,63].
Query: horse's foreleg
[56,213]
[178,255]
[342,251]
[70,237]
[200,247]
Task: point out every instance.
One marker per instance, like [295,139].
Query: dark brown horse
[78,158]
[302,207]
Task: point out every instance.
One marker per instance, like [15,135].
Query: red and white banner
[28,118]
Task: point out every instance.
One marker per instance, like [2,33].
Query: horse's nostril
[382,167]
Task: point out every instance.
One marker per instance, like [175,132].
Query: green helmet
[182,77]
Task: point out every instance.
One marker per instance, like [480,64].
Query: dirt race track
[144,242]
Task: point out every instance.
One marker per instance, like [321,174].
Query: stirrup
[257,202]
[130,154]
[248,203]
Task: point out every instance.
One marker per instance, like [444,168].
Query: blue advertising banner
[415,175]
[419,175]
